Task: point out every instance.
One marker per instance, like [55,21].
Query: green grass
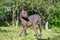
[12,33]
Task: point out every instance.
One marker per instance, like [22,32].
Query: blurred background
[49,10]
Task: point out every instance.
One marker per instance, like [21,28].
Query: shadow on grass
[54,38]
[43,39]
[5,30]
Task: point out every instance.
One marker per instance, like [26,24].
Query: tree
[49,10]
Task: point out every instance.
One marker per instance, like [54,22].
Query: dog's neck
[25,18]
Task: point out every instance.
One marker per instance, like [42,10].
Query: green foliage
[49,10]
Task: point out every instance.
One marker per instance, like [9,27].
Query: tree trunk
[46,25]
[13,20]
[13,15]
[17,22]
[17,19]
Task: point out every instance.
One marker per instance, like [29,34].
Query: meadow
[12,33]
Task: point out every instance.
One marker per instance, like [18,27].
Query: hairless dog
[30,21]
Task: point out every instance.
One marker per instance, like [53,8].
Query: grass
[12,33]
